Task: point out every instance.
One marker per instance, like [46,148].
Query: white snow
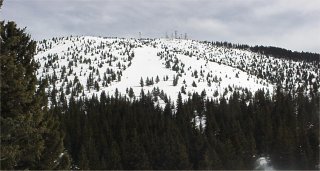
[145,64]
[263,163]
[217,70]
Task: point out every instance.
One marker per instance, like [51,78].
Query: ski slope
[82,66]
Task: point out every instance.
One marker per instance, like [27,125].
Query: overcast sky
[292,24]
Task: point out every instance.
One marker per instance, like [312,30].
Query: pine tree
[194,84]
[54,156]
[135,156]
[183,90]
[157,79]
[83,159]
[24,121]
[141,82]
[131,93]
[114,161]
[175,80]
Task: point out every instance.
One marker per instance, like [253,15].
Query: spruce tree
[134,155]
[25,127]
[131,93]
[157,79]
[141,82]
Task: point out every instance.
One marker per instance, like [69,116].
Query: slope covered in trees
[88,65]
[227,129]
[89,125]
[117,133]
[274,51]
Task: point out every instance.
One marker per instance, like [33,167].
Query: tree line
[273,51]
[113,132]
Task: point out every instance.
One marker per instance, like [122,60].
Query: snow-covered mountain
[83,66]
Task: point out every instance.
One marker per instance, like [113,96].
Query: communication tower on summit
[167,37]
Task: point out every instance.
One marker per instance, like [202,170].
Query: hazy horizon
[288,24]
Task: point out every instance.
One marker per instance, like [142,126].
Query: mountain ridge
[85,65]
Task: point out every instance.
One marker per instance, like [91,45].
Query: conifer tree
[175,80]
[183,90]
[134,154]
[114,161]
[141,82]
[194,84]
[157,79]
[131,93]
[25,125]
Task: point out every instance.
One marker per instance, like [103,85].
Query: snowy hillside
[86,66]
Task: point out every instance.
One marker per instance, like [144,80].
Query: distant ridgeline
[273,51]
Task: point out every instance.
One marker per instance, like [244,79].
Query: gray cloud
[292,24]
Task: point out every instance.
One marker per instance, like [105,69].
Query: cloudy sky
[292,24]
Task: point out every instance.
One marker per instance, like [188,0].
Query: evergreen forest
[119,132]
